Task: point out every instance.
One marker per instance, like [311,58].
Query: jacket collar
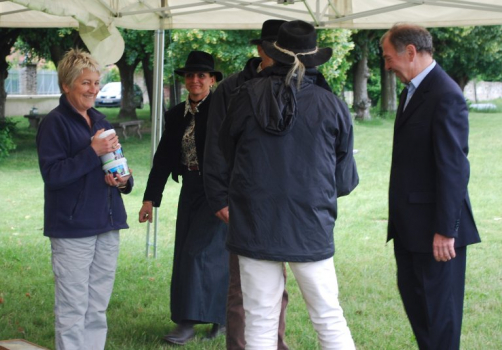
[71,111]
[418,98]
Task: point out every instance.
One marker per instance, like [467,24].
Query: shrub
[6,140]
[483,107]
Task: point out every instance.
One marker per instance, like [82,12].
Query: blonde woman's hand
[106,144]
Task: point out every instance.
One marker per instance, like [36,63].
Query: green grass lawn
[138,315]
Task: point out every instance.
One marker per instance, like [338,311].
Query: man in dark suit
[430,216]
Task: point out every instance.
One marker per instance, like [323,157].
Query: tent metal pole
[157,109]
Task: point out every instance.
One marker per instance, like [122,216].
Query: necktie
[402,101]
[410,90]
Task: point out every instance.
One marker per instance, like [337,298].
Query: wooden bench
[128,127]
[35,119]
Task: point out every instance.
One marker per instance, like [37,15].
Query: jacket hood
[275,103]
[250,70]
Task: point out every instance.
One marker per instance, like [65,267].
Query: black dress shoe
[181,334]
[215,331]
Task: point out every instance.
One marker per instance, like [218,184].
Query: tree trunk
[475,88]
[3,94]
[174,94]
[388,83]
[126,71]
[9,37]
[29,85]
[362,103]
[57,53]
[462,82]
[148,75]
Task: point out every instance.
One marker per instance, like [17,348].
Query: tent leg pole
[157,114]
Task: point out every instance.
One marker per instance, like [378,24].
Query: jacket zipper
[110,204]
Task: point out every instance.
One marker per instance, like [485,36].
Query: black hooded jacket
[291,155]
[216,168]
[216,171]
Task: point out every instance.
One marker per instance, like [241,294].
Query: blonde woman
[83,207]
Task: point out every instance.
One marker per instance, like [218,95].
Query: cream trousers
[84,271]
[262,287]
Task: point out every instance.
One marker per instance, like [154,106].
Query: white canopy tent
[247,14]
[98,20]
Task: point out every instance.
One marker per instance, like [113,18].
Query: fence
[12,86]
[47,82]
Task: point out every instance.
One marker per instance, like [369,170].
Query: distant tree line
[466,53]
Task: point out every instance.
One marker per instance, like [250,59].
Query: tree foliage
[364,61]
[469,52]
[9,37]
[231,50]
[335,70]
[52,43]
[138,48]
[6,140]
[48,43]
[366,40]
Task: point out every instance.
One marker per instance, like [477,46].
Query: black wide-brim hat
[269,30]
[199,61]
[297,37]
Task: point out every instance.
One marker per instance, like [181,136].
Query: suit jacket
[430,171]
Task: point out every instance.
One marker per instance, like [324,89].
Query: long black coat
[199,281]
[167,159]
[291,154]
[430,171]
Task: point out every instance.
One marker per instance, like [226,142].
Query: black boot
[215,331]
[181,334]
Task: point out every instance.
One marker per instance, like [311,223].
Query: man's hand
[443,247]
[223,215]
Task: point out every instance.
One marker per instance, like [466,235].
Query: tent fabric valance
[249,14]
[97,20]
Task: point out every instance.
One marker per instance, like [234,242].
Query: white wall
[484,91]
[22,104]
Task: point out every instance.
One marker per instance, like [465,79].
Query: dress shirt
[415,82]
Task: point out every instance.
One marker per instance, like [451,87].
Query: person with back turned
[289,145]
[430,215]
[216,174]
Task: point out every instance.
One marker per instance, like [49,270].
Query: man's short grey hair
[403,34]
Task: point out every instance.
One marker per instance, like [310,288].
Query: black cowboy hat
[199,61]
[297,37]
[269,30]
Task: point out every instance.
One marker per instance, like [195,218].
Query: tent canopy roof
[247,14]
[98,20]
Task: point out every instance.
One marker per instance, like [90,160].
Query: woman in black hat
[199,280]
[290,144]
